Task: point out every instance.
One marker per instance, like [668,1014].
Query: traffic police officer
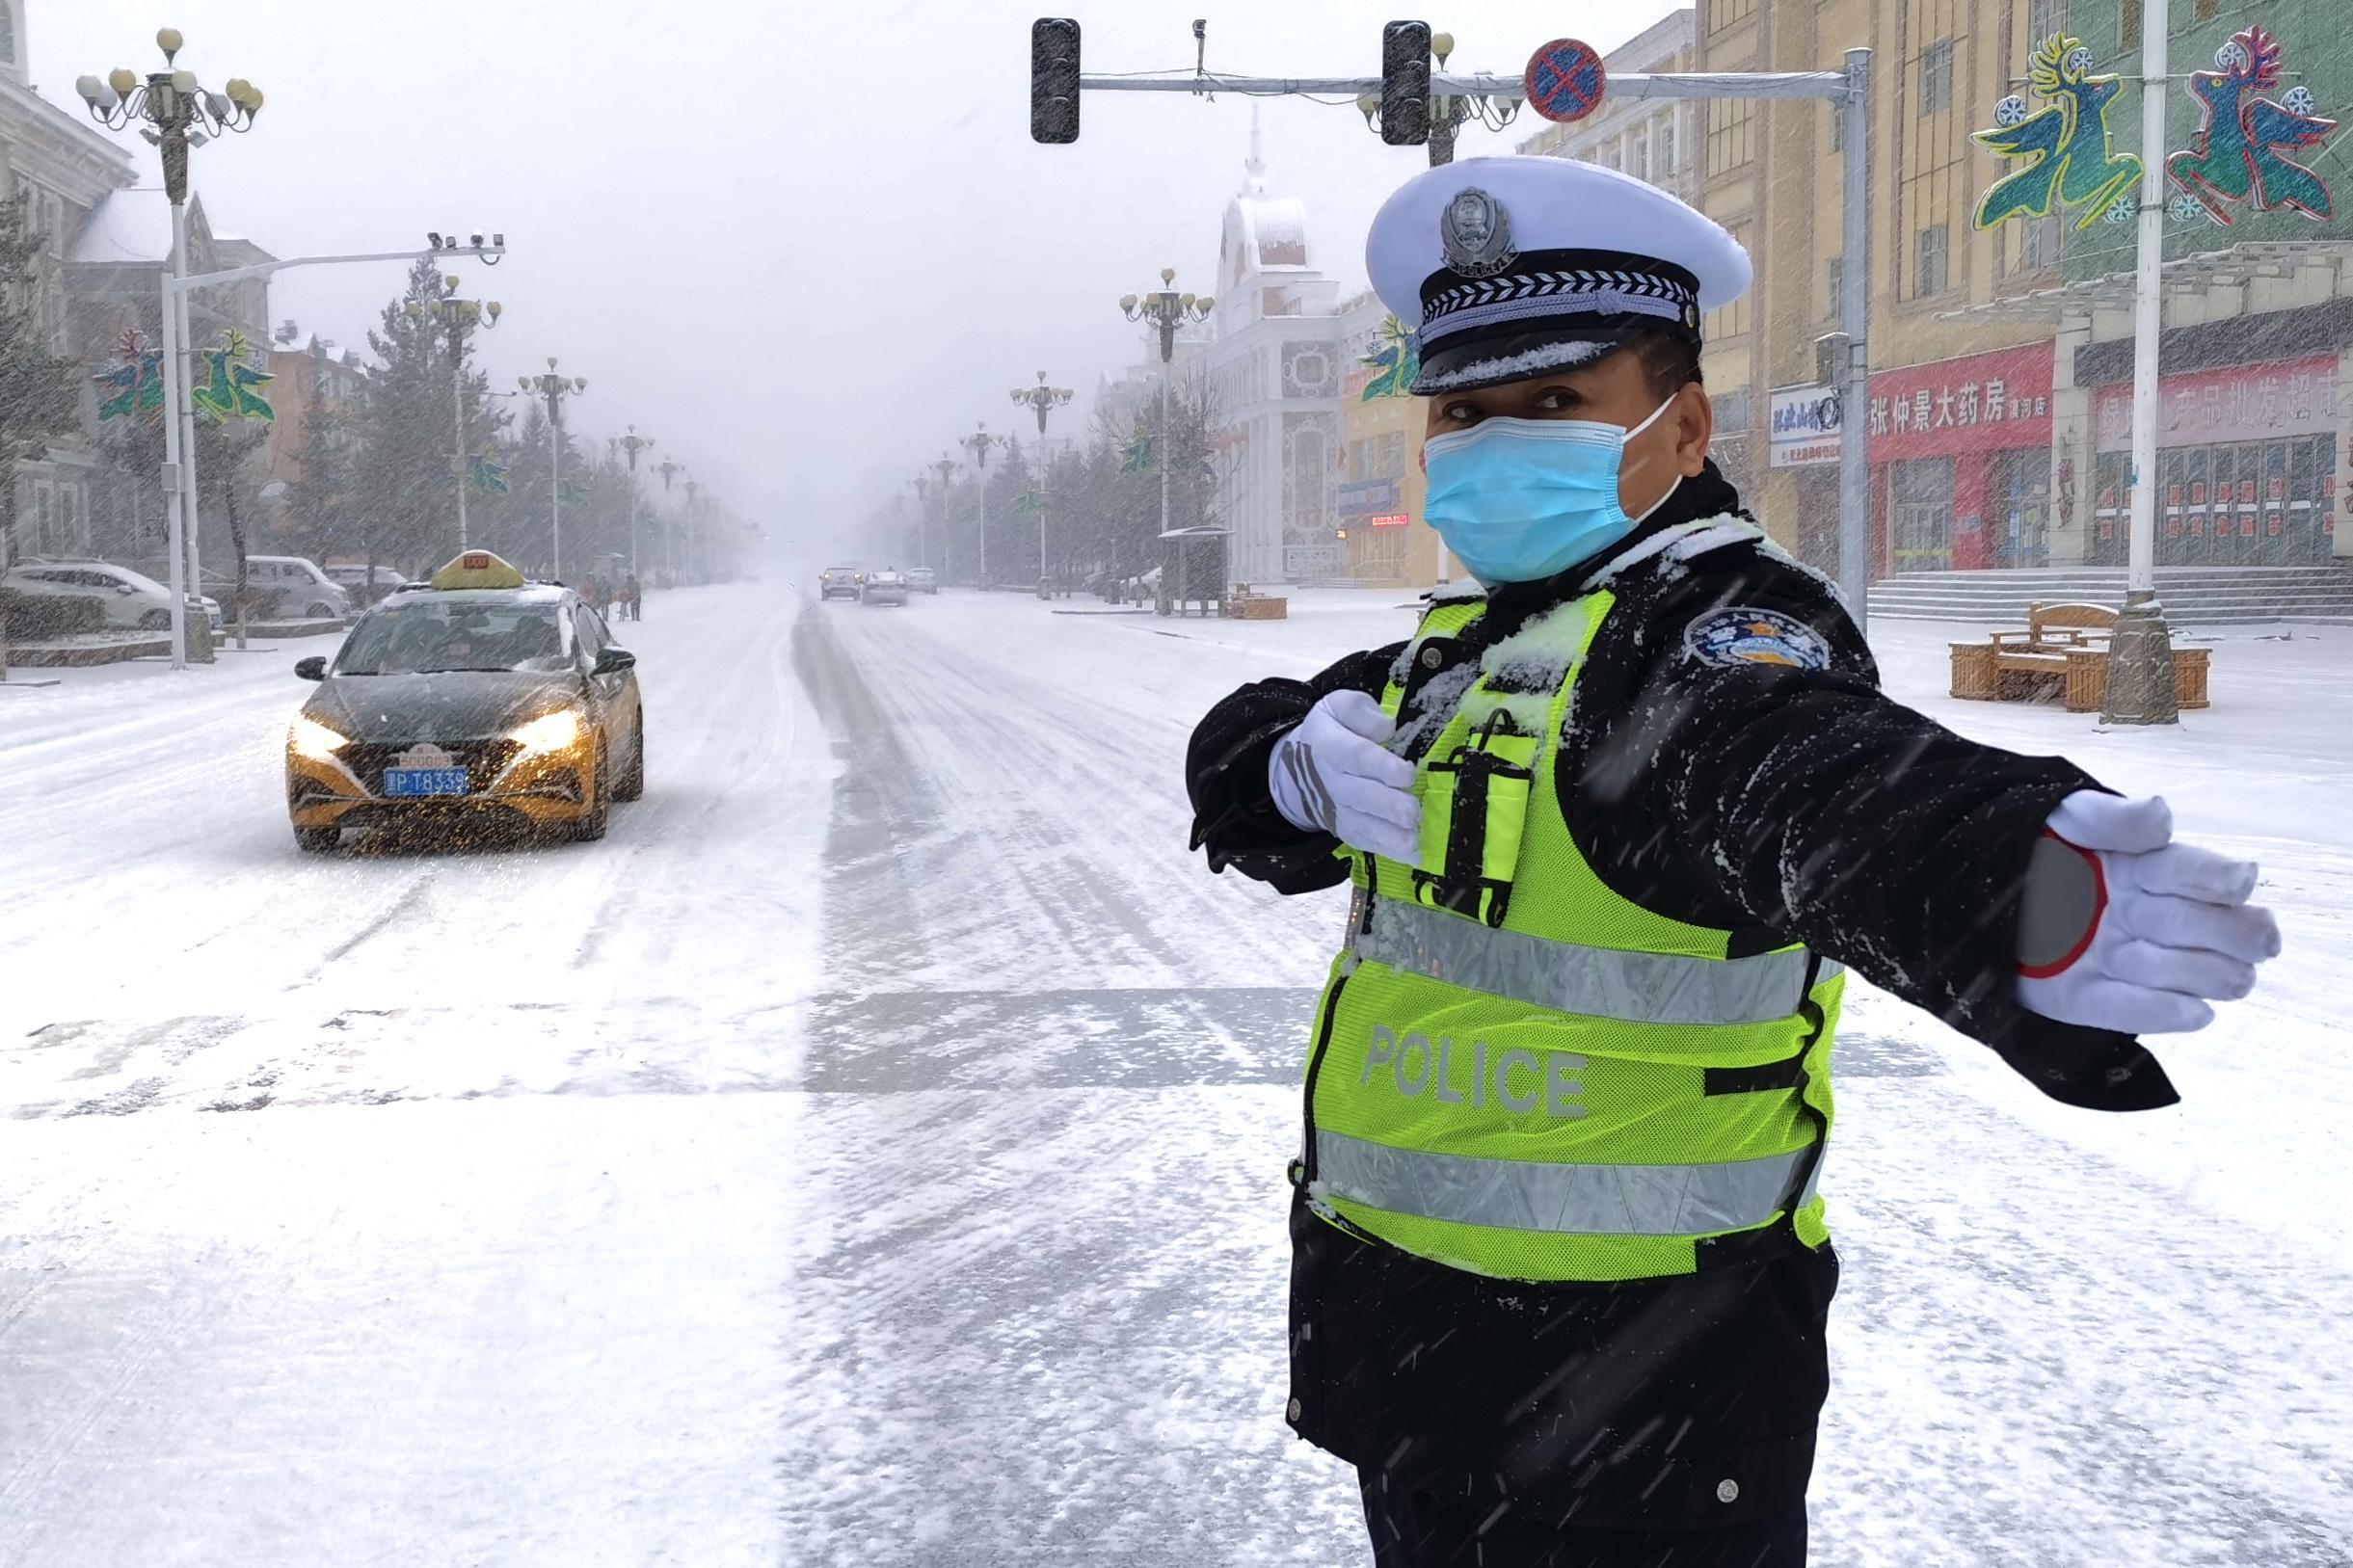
[1618,818]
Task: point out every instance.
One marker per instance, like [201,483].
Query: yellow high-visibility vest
[1515,1070]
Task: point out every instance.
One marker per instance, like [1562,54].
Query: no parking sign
[1564,80]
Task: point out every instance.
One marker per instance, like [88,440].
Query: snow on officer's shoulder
[1508,268]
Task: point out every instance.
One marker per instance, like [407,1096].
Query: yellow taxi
[477,697]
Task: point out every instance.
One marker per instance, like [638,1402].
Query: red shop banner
[2244,403]
[1979,403]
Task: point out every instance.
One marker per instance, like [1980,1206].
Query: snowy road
[872,1152]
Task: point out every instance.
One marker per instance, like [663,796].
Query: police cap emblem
[1476,233]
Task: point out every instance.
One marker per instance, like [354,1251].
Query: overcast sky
[802,246]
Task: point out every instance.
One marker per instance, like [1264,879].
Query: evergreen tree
[319,497]
[408,425]
[40,393]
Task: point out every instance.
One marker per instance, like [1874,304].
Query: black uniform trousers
[1424,1530]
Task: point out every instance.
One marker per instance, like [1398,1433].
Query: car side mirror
[613,660]
[313,668]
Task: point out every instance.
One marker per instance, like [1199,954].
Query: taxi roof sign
[478,569]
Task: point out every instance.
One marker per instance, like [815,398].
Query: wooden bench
[1244,605]
[2064,649]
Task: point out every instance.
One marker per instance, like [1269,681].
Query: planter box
[80,652]
[272,630]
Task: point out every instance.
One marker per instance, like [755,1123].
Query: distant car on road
[886,586]
[304,591]
[130,599]
[474,694]
[354,580]
[845,581]
[922,580]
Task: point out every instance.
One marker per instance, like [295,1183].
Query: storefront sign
[2245,403]
[1366,498]
[1980,403]
[1394,519]
[1806,427]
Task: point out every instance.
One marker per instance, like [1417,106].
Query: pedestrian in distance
[1617,819]
[634,596]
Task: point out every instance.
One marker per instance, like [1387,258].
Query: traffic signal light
[1054,79]
[1405,84]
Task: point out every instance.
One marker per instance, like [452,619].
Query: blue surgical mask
[1518,500]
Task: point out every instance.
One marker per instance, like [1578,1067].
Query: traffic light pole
[1848,90]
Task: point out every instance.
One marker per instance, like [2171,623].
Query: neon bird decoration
[2073,163]
[136,382]
[1396,361]
[229,391]
[2238,155]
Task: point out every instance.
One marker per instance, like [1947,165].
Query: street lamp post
[1166,310]
[669,468]
[2140,684]
[1041,400]
[694,518]
[633,444]
[179,116]
[980,443]
[458,318]
[947,469]
[922,519]
[554,388]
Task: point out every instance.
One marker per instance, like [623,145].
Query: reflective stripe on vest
[1590,982]
[1528,1195]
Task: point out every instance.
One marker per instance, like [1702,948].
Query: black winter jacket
[1785,802]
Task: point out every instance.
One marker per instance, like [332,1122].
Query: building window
[1391,464]
[2038,245]
[1731,134]
[2045,18]
[1928,276]
[1666,150]
[1936,78]
[1728,321]
[2129,24]
[1838,127]
[1724,13]
[1638,155]
[1731,407]
[2206,10]
[1833,273]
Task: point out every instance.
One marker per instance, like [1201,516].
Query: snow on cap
[1509,267]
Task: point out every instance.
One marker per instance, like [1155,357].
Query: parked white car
[131,601]
[304,591]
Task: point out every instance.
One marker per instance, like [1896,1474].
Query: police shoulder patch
[1745,634]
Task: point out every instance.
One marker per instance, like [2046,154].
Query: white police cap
[1511,267]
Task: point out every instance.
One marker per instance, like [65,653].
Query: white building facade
[1273,369]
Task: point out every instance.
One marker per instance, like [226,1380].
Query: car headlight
[314,740]
[550,731]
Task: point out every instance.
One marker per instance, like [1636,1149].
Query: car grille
[482,759]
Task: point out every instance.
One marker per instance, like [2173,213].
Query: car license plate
[424,782]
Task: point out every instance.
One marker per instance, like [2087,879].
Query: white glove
[1331,774]
[2168,927]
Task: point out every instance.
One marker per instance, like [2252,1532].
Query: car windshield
[429,638]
